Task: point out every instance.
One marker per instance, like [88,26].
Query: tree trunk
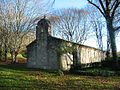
[113,44]
[108,46]
[16,53]
[12,56]
[0,53]
[5,53]
[74,58]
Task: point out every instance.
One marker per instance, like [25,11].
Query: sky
[80,4]
[74,4]
[70,3]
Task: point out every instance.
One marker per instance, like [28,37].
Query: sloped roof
[32,43]
[62,40]
[75,43]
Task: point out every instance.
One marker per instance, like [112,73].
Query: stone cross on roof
[44,22]
[44,16]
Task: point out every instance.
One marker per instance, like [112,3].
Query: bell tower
[43,28]
[42,33]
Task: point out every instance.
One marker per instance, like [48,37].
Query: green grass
[20,78]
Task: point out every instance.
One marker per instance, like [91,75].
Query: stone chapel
[46,52]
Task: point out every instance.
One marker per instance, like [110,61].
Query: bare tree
[18,18]
[4,37]
[110,11]
[71,25]
[98,25]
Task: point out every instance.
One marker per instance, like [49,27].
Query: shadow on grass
[96,71]
[91,71]
[23,67]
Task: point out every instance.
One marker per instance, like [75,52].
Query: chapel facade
[47,52]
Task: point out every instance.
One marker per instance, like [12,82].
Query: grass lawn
[20,78]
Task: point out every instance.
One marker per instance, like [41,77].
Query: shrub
[24,53]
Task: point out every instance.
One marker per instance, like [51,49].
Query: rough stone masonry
[47,52]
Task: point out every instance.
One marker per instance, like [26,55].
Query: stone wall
[66,61]
[87,55]
[53,55]
[47,52]
[31,55]
[90,55]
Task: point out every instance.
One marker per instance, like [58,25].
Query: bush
[24,53]
[98,72]
[109,63]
